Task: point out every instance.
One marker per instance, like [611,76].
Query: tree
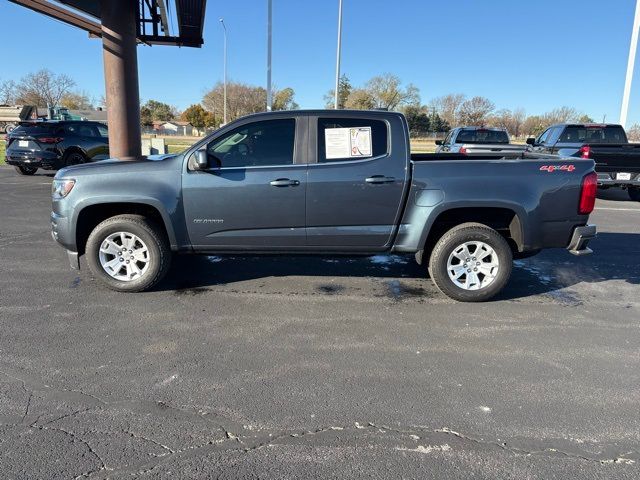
[448,108]
[154,110]
[43,88]
[8,92]
[534,125]
[476,111]
[283,99]
[634,133]
[418,120]
[360,99]
[436,123]
[585,119]
[561,115]
[510,120]
[386,92]
[344,90]
[76,101]
[197,116]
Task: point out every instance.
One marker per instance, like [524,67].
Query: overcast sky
[536,55]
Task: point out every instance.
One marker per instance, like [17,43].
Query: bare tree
[562,115]
[76,101]
[7,92]
[634,133]
[43,88]
[448,108]
[512,121]
[387,92]
[476,111]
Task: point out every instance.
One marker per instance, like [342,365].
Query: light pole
[225,71]
[269,92]
[632,57]
[338,54]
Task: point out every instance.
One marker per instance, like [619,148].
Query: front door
[356,186]
[252,196]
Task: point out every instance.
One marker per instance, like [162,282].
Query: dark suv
[53,145]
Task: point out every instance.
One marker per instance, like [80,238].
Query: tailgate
[616,158]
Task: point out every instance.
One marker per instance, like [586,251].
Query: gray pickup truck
[323,182]
[471,140]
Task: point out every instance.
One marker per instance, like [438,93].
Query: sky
[535,55]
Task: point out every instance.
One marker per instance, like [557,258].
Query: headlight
[61,188]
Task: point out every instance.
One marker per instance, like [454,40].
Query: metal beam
[59,13]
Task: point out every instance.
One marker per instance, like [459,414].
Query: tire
[148,234]
[634,194]
[26,170]
[495,268]
[74,157]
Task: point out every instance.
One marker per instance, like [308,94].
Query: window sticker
[348,142]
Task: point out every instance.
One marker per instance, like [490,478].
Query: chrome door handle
[284,182]
[379,179]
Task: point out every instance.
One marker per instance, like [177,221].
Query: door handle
[379,179]
[284,182]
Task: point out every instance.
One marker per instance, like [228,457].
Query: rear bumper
[44,160]
[610,179]
[580,240]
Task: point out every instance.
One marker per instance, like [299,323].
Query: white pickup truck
[467,140]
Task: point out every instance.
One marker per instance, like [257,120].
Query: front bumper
[62,233]
[580,240]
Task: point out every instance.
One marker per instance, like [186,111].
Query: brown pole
[121,78]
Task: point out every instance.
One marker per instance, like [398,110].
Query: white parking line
[620,209]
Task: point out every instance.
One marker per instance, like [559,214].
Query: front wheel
[26,170]
[634,193]
[128,253]
[471,263]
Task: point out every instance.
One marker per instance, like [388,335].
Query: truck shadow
[615,258]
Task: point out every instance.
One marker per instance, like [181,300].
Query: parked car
[51,145]
[323,182]
[472,140]
[617,160]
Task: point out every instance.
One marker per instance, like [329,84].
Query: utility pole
[269,92]
[225,71]
[630,65]
[339,52]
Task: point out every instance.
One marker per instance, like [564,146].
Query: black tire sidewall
[26,170]
[158,253]
[69,155]
[452,240]
[634,193]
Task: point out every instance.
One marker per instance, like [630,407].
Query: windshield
[593,134]
[482,136]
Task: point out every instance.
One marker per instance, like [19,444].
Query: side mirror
[531,141]
[439,142]
[202,159]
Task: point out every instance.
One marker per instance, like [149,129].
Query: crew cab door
[356,182]
[252,196]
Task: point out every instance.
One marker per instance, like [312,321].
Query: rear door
[252,197]
[356,181]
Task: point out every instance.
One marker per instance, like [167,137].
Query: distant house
[173,127]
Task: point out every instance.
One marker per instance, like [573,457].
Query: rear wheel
[128,253]
[471,263]
[73,158]
[634,193]
[26,170]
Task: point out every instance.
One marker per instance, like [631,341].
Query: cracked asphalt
[316,368]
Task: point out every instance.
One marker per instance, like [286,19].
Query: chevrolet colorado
[323,182]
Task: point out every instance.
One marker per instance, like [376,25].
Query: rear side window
[36,129]
[344,139]
[593,134]
[482,136]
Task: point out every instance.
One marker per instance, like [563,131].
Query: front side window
[343,139]
[543,138]
[259,144]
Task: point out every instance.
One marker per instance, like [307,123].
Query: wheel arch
[93,214]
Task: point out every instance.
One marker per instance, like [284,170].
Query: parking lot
[305,367]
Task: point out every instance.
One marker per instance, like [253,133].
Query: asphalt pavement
[307,367]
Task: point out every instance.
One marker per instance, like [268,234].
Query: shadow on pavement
[614,258]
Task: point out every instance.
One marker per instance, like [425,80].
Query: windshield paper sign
[348,142]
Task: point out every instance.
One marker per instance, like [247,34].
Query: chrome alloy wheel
[473,265]
[124,256]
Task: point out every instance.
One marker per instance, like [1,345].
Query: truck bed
[512,155]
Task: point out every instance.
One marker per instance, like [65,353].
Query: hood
[114,165]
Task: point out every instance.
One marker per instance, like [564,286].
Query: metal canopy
[151,16]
